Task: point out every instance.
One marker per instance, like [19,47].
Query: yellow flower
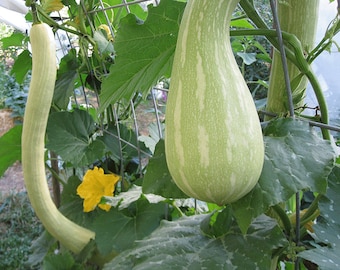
[95,185]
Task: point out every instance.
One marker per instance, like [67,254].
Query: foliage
[18,227]
[181,245]
[157,49]
[325,250]
[12,94]
[150,220]
[10,148]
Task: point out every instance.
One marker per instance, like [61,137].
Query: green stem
[322,102]
[297,57]
[271,35]
[262,26]
[284,218]
[312,209]
[56,175]
[34,13]
[332,30]
[54,24]
[252,14]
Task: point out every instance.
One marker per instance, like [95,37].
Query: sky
[327,65]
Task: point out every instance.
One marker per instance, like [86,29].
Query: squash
[300,19]
[71,235]
[213,138]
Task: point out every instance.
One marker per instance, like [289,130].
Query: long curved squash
[213,139]
[71,235]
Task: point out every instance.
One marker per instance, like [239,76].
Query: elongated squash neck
[211,20]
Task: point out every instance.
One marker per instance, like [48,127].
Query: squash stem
[35,13]
[312,210]
[284,218]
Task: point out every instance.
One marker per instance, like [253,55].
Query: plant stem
[297,57]
[311,209]
[284,66]
[56,25]
[284,218]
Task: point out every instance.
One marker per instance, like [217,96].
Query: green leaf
[52,5]
[327,228]
[241,23]
[10,148]
[39,248]
[152,139]
[15,40]
[21,66]
[69,193]
[105,46]
[120,11]
[59,261]
[248,58]
[111,141]
[124,199]
[295,159]
[157,179]
[70,136]
[218,223]
[144,52]
[180,245]
[65,83]
[117,230]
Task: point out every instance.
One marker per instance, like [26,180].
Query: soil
[12,181]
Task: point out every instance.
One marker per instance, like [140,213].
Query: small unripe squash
[213,139]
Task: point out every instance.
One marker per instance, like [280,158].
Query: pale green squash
[44,70]
[213,140]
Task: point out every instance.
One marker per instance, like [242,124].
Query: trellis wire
[273,5]
[135,123]
[124,4]
[115,107]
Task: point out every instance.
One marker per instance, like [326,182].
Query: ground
[12,181]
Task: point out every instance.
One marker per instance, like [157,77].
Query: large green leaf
[144,52]
[180,245]
[117,230]
[327,229]
[70,136]
[10,148]
[157,179]
[295,159]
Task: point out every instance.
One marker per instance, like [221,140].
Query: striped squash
[300,19]
[213,139]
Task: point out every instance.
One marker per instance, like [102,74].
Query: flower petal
[95,185]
